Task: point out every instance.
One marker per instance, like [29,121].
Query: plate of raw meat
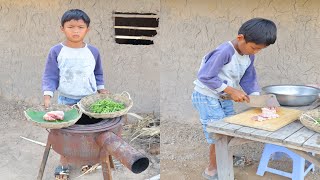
[54,117]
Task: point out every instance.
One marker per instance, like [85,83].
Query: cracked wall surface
[191,28]
[30,27]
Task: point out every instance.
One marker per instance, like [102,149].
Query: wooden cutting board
[286,117]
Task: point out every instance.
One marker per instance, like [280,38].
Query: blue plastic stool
[298,163]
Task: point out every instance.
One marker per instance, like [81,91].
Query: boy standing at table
[223,72]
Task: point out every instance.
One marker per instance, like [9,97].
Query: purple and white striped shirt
[224,67]
[74,72]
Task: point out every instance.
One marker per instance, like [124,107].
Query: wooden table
[294,136]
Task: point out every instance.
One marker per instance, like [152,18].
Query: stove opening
[140,165]
[87,120]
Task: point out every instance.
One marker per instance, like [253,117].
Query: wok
[293,95]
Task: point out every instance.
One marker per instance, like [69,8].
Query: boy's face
[248,48]
[75,30]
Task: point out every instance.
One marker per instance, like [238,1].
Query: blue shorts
[210,110]
[67,101]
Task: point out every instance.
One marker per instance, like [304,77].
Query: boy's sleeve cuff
[222,87]
[49,93]
[100,87]
[255,93]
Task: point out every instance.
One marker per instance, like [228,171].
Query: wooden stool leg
[44,161]
[105,163]
[111,162]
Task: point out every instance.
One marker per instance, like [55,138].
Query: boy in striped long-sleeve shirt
[226,70]
[73,68]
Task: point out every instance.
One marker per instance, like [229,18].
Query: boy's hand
[47,101]
[103,91]
[237,95]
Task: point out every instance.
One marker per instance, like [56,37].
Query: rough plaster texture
[191,28]
[30,27]
[158,76]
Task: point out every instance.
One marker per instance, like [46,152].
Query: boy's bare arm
[47,99]
[236,95]
[103,91]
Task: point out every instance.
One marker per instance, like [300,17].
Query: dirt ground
[184,152]
[20,159]
[184,155]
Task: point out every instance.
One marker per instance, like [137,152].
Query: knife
[268,100]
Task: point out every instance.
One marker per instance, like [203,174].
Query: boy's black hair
[259,31]
[75,14]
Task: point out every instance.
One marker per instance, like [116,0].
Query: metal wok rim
[316,94]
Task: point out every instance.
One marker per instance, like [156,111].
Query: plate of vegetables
[106,105]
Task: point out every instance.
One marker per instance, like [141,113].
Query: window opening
[135,28]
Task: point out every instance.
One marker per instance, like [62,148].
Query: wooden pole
[105,163]
[44,160]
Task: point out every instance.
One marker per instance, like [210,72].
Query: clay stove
[92,141]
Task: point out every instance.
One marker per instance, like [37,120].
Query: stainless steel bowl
[293,95]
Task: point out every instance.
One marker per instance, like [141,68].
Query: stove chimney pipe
[127,155]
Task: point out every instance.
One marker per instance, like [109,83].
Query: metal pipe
[127,155]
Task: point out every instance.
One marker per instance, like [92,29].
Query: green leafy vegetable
[106,106]
[317,121]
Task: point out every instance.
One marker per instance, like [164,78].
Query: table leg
[224,158]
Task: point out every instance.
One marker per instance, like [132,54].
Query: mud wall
[30,27]
[191,28]
[159,77]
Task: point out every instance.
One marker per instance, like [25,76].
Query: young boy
[223,70]
[73,68]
